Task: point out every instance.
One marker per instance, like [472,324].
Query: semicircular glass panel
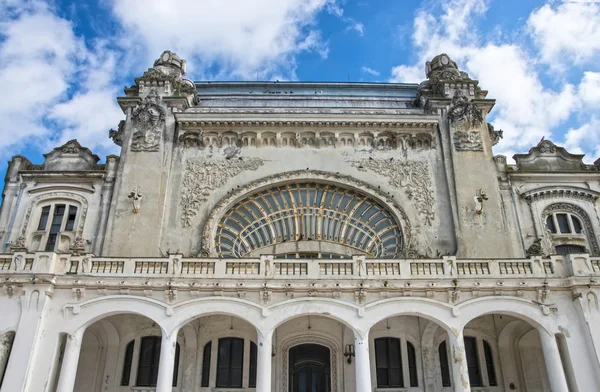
[309,212]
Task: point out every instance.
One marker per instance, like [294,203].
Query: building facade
[301,237]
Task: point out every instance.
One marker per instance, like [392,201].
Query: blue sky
[63,63]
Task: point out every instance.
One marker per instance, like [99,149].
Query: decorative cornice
[406,125]
[560,192]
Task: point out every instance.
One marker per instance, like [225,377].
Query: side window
[127,364]
[489,363]
[444,365]
[54,220]
[569,230]
[412,365]
[206,364]
[473,361]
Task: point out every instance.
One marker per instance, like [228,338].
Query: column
[556,374]
[362,363]
[68,370]
[166,365]
[458,358]
[264,362]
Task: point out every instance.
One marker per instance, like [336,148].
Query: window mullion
[404,364]
[570,222]
[555,220]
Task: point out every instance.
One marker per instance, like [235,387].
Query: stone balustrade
[266,267]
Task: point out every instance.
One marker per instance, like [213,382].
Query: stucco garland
[210,227]
[309,339]
[58,195]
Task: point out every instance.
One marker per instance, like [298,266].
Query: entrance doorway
[310,368]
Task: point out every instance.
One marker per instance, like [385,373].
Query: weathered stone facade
[271,222]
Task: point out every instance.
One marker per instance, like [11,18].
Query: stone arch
[426,308]
[517,307]
[509,361]
[319,339]
[210,228]
[86,313]
[345,313]
[188,311]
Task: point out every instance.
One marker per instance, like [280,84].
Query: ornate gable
[547,156]
[71,156]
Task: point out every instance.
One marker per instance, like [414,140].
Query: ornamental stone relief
[148,120]
[203,176]
[413,177]
[466,119]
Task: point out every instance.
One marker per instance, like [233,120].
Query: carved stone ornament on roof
[412,176]
[171,64]
[547,147]
[148,119]
[71,147]
[495,136]
[466,119]
[224,204]
[203,176]
[117,136]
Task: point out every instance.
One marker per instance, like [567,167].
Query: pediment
[548,157]
[71,156]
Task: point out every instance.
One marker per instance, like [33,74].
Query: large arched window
[55,219]
[304,212]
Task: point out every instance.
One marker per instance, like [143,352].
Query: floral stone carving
[467,119]
[148,121]
[202,177]
[413,177]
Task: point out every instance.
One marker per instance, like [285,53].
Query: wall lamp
[349,352]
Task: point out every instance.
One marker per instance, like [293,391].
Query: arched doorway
[310,368]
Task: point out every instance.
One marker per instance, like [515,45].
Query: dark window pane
[550,224]
[206,364]
[489,363]
[568,249]
[388,362]
[176,367]
[473,361]
[444,365]
[230,363]
[127,364]
[253,363]
[563,223]
[59,211]
[148,363]
[71,218]
[44,218]
[412,365]
[576,224]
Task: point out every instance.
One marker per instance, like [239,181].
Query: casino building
[301,237]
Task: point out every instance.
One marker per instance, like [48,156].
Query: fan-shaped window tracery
[309,212]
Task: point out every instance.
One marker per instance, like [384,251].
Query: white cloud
[586,135]
[370,71]
[41,62]
[589,89]
[252,37]
[525,109]
[567,32]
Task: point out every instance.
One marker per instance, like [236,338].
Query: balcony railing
[265,267]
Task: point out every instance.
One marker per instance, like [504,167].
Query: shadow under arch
[343,312]
[187,311]
[87,313]
[430,309]
[519,308]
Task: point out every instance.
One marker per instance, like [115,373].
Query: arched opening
[308,217]
[309,368]
[122,352]
[402,355]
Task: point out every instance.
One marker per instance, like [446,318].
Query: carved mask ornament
[148,120]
